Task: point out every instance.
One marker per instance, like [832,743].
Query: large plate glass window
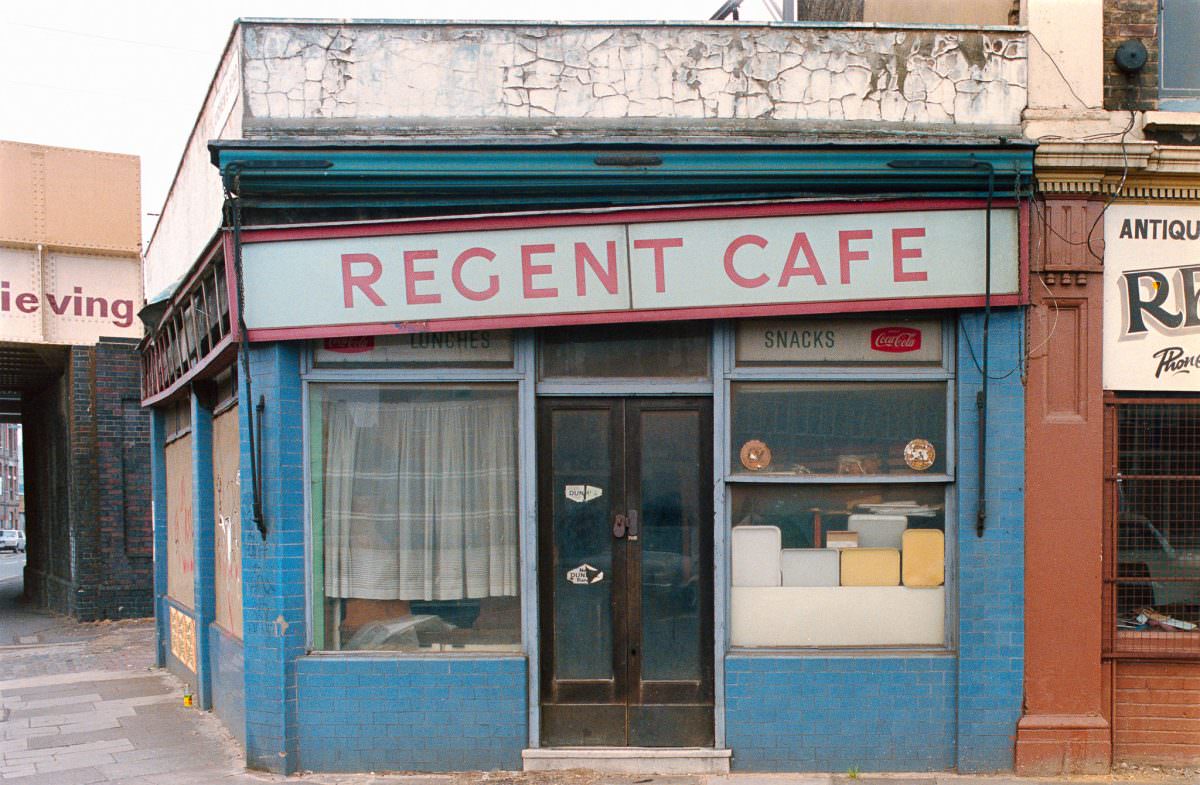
[838,466]
[415,517]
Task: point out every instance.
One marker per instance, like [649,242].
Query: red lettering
[745,283]
[606,276]
[790,270]
[413,275]
[529,270]
[350,282]
[900,253]
[847,255]
[466,291]
[659,246]
[27,302]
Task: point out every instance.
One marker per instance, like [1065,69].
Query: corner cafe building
[586,452]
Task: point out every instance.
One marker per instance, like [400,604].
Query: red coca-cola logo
[895,339]
[356,344]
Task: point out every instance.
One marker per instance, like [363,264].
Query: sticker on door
[583,493]
[584,574]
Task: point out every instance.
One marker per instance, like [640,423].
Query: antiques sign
[1152,298]
[514,271]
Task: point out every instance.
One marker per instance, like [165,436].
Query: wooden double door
[625,571]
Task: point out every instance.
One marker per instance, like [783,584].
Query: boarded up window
[181,546]
[227,533]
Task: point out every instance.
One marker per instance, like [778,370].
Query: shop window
[1180,57]
[837,489]
[838,565]
[415,517]
[851,428]
[1155,509]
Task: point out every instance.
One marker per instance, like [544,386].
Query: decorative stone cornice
[1136,169]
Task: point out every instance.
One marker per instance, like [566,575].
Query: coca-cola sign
[895,339]
[356,344]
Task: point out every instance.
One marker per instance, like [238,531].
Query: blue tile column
[158,490]
[991,600]
[273,568]
[203,544]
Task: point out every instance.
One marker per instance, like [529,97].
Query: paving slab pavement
[83,705]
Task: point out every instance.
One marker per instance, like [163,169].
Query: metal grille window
[1153,567]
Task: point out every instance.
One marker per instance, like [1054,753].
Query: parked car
[12,540]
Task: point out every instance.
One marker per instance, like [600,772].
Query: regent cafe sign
[499,272]
[1152,298]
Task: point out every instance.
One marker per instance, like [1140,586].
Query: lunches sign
[628,266]
[1152,298]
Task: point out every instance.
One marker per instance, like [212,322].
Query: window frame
[729,374]
[1180,99]
[519,376]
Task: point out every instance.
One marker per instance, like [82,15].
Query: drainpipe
[254,412]
[981,398]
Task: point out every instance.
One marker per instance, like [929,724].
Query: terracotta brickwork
[1156,713]
[1125,20]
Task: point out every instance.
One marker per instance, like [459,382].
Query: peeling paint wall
[295,72]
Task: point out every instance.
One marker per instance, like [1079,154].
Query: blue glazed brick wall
[385,714]
[273,571]
[228,675]
[991,598]
[807,713]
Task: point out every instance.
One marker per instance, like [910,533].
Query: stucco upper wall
[295,74]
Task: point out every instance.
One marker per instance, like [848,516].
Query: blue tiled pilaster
[158,487]
[273,571]
[991,580]
[202,526]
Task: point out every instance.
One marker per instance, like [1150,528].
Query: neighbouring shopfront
[702,478]
[1152,477]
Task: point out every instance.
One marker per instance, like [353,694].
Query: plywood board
[227,531]
[181,537]
[837,616]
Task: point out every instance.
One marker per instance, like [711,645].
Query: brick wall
[917,713]
[1124,20]
[88,488]
[427,714]
[1156,713]
[837,713]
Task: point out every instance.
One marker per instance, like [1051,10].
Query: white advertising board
[729,264]
[67,298]
[1152,298]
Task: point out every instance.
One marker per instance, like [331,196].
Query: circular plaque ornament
[919,454]
[755,455]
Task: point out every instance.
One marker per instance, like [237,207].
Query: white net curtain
[421,497]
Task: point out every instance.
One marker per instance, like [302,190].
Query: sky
[129,76]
